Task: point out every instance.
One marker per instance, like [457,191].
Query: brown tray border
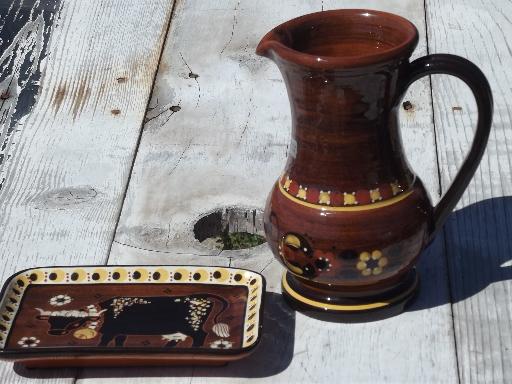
[15,354]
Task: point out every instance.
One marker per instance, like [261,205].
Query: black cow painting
[174,318]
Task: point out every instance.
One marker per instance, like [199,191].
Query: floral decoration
[29,342]
[371,263]
[60,300]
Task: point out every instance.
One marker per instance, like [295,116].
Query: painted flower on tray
[60,300]
[371,263]
[28,342]
[221,344]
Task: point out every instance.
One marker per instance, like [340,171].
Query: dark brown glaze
[348,217]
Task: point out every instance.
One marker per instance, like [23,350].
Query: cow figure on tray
[173,317]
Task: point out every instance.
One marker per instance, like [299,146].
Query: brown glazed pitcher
[348,218]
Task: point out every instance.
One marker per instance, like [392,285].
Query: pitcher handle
[475,79]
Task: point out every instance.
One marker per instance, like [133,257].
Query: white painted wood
[478,235]
[70,155]
[217,136]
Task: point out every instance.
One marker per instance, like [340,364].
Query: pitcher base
[350,309]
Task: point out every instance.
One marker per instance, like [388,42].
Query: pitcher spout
[269,44]
[340,39]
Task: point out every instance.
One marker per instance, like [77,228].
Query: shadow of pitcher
[476,246]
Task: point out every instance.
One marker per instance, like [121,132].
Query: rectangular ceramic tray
[130,315]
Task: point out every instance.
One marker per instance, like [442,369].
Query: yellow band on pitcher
[340,307]
[366,207]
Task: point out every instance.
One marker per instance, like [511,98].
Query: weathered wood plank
[25,32]
[217,136]
[479,235]
[75,80]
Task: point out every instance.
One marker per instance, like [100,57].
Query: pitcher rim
[270,44]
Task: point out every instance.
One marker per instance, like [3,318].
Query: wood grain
[478,235]
[75,79]
[217,135]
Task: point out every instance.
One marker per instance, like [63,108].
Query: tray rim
[115,352]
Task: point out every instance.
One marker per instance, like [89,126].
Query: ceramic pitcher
[348,217]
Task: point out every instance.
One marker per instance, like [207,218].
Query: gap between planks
[141,130]
[440,194]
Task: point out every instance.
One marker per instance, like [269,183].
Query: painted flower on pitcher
[60,300]
[371,263]
[28,342]
[221,344]
[323,260]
